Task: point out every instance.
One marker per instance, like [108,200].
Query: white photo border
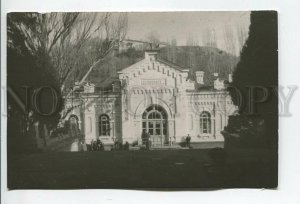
[289,128]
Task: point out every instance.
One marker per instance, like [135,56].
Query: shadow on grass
[171,170]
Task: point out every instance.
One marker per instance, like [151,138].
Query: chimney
[229,78]
[151,55]
[199,77]
[89,88]
[219,84]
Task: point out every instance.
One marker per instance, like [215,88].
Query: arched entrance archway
[154,122]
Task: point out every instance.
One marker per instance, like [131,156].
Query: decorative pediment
[152,71]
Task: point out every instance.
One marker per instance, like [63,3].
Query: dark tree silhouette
[45,51]
[258,67]
[26,70]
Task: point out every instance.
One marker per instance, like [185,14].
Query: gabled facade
[157,97]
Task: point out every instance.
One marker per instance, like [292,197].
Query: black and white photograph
[142,100]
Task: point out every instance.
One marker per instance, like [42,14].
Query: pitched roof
[107,82]
[171,64]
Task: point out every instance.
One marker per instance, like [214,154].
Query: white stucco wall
[151,82]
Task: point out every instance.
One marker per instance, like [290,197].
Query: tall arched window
[73,119]
[205,123]
[104,126]
[74,126]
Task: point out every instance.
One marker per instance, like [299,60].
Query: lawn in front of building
[167,169]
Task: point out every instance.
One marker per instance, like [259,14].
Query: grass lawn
[168,169]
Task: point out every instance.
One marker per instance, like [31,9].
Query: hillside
[195,58]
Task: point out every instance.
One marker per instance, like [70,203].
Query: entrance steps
[194,145]
[167,147]
[158,147]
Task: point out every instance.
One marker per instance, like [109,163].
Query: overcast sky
[184,25]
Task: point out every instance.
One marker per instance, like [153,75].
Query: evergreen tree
[258,67]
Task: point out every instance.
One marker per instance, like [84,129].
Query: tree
[170,50]
[258,66]
[60,38]
[153,38]
[209,38]
[48,49]
[112,32]
[242,36]
[28,65]
[229,38]
[24,70]
[191,41]
[109,34]
[173,50]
